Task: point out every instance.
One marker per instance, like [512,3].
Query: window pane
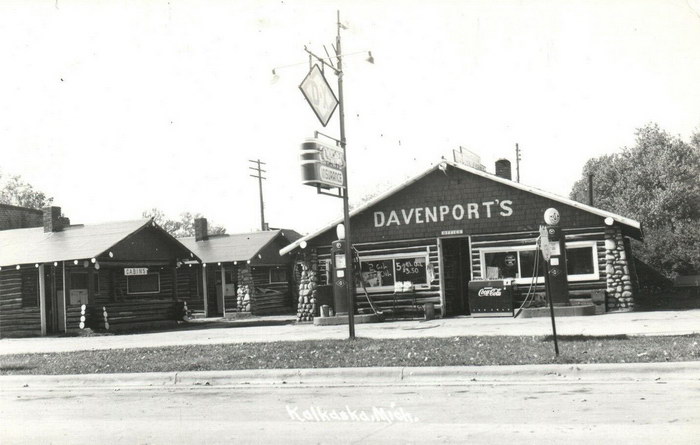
[527,264]
[141,284]
[501,264]
[79,280]
[278,275]
[411,269]
[579,260]
[30,288]
[377,273]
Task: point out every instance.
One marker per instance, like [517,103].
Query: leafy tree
[15,191]
[182,227]
[656,182]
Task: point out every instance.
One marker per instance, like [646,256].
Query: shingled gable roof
[236,247]
[29,246]
[634,226]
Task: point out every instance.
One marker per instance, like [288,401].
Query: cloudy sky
[115,107]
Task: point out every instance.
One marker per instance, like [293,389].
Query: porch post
[205,292]
[65,295]
[441,267]
[223,289]
[42,299]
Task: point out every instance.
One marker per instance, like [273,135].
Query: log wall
[16,319]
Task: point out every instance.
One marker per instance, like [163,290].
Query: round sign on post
[551,216]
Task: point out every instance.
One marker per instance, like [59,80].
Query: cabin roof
[80,241]
[236,247]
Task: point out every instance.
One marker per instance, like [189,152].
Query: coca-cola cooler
[491,298]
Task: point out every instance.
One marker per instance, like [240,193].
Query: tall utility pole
[337,69]
[517,162]
[258,169]
[346,206]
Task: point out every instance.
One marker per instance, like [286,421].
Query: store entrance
[457,272]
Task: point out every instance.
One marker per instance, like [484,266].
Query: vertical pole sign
[325,166]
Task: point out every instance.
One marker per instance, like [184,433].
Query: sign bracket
[320,191]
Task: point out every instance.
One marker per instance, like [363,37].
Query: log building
[453,224]
[61,278]
[244,272]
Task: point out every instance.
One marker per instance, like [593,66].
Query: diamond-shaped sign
[319,95]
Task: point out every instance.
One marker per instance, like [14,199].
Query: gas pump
[340,277]
[553,246]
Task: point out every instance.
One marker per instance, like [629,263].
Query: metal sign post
[320,96]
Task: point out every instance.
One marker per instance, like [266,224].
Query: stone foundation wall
[620,294]
[246,290]
[308,282]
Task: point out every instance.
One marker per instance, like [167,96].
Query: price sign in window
[411,269]
[387,271]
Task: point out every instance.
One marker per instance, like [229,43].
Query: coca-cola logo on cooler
[490,292]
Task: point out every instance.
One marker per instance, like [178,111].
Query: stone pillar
[308,281]
[245,293]
[620,296]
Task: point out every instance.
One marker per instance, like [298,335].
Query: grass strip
[362,352]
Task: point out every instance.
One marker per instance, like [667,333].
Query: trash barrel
[325,311]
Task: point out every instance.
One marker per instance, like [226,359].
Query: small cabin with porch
[62,278]
[239,273]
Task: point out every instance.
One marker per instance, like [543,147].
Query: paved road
[282,329]
[642,412]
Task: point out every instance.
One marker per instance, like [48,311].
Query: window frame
[96,281]
[128,292]
[396,256]
[530,247]
[286,275]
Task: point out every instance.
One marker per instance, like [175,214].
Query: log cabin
[454,224]
[61,278]
[243,272]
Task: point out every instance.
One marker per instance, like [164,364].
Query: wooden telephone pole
[259,176]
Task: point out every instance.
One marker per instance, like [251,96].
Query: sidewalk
[440,376]
[269,329]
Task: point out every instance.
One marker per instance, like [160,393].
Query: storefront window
[501,265]
[383,272]
[519,262]
[579,261]
[30,288]
[143,284]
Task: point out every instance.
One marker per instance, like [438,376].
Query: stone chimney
[200,229]
[503,169]
[53,222]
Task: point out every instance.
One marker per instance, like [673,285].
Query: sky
[116,107]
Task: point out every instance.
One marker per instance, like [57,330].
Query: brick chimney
[53,222]
[503,169]
[200,229]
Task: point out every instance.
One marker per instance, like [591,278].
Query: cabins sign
[129,271]
[443,213]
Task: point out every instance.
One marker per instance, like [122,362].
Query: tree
[182,228]
[15,191]
[656,182]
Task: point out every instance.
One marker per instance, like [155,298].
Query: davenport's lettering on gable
[457,212]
